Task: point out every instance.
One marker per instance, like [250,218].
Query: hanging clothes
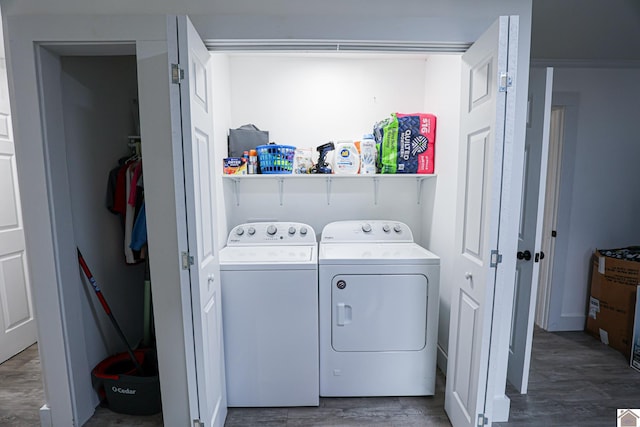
[139,232]
[125,197]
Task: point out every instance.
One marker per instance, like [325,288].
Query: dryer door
[382,312]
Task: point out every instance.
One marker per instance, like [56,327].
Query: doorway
[96,195]
[556,136]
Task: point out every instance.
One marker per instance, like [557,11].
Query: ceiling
[598,31]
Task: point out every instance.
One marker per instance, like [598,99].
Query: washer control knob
[240,231]
[366,227]
[303,231]
[292,230]
[397,228]
[251,231]
[271,230]
[386,228]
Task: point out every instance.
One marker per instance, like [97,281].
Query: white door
[17,324]
[529,254]
[199,173]
[482,138]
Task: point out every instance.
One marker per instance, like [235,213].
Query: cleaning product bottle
[253,162]
[368,155]
[346,160]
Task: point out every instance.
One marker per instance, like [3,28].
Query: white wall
[306,100]
[97,94]
[409,20]
[442,98]
[221,89]
[598,201]
[433,20]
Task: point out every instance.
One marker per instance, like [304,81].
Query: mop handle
[105,306]
[93,282]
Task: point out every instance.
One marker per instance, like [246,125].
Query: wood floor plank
[575,381]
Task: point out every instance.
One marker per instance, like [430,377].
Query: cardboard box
[612,301]
[635,354]
[234,166]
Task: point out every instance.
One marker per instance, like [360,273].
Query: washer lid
[267,255]
[375,253]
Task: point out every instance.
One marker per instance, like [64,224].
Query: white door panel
[17,324]
[482,139]
[199,170]
[530,230]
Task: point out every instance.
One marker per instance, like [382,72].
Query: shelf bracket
[280,188]
[419,181]
[328,190]
[236,190]
[376,186]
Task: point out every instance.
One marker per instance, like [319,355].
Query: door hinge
[187,260]
[482,420]
[505,82]
[198,423]
[177,74]
[496,258]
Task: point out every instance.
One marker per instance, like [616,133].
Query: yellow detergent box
[234,166]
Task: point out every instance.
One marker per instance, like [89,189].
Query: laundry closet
[303,97]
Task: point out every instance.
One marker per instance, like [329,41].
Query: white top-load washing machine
[269,274]
[379,297]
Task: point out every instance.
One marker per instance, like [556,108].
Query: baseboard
[442,360]
[501,406]
[45,416]
[567,323]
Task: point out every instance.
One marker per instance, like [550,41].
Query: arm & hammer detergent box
[234,166]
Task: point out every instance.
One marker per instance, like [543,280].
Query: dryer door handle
[343,313]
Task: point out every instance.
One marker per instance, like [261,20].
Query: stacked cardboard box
[615,276]
[635,355]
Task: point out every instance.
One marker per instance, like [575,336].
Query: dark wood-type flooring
[575,381]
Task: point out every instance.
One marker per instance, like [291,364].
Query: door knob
[526,255]
[468,275]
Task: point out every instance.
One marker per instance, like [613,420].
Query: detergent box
[234,166]
[407,143]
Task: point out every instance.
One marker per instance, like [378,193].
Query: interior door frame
[550,214]
[551,293]
[46,223]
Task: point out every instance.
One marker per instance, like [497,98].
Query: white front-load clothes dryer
[269,279]
[379,297]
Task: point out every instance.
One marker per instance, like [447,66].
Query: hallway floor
[575,381]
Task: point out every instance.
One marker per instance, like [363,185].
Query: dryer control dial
[303,230]
[386,228]
[292,230]
[251,231]
[397,228]
[271,230]
[366,227]
[240,231]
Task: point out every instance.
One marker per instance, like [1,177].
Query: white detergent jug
[346,160]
